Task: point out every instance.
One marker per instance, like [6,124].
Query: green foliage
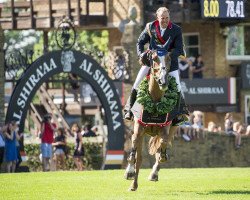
[21,40]
[91,160]
[173,184]
[167,103]
[33,152]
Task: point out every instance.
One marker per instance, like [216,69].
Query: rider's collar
[169,25]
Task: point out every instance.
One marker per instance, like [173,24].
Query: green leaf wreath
[167,103]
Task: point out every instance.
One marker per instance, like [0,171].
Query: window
[192,44]
[238,42]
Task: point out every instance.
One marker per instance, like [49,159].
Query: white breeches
[140,76]
[144,71]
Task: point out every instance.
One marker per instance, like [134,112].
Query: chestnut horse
[161,137]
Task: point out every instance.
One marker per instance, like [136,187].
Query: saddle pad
[147,119]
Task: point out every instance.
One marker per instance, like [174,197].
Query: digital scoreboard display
[225,9]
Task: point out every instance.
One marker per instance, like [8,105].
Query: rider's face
[163,18]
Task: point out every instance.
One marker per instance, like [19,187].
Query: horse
[161,136]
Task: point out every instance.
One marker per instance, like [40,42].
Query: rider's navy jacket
[173,31]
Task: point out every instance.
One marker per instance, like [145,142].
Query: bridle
[158,57]
[159,69]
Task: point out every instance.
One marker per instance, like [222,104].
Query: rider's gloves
[144,59]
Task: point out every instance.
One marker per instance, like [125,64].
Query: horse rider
[160,30]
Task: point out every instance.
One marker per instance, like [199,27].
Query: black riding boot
[182,112]
[128,113]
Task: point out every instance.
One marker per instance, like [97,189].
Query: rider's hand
[144,59]
[141,58]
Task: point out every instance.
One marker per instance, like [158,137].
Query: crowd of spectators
[194,128]
[54,149]
[193,67]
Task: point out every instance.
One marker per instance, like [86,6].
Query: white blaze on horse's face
[163,83]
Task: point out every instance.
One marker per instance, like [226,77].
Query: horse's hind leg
[161,155]
[164,143]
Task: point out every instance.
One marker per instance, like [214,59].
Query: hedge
[91,160]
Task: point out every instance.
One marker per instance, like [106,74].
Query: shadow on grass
[227,192]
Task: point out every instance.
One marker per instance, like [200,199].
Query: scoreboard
[225,9]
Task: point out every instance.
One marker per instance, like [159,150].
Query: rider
[161,30]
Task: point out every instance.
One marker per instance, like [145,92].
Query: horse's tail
[154,144]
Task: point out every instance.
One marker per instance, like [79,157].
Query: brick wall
[211,151]
[213,48]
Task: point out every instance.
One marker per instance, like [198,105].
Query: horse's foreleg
[153,176]
[138,162]
[130,170]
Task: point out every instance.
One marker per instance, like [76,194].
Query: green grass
[212,184]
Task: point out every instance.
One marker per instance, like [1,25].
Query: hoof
[153,177]
[133,187]
[129,175]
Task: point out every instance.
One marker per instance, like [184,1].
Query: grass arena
[196,183]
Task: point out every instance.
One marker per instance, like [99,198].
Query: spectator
[212,127]
[2,144]
[10,147]
[198,67]
[79,150]
[197,124]
[88,132]
[47,133]
[187,129]
[238,129]
[60,145]
[19,157]
[75,85]
[229,124]
[247,131]
[231,129]
[184,67]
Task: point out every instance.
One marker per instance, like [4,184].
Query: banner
[209,91]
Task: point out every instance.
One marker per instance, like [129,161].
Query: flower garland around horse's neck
[168,100]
